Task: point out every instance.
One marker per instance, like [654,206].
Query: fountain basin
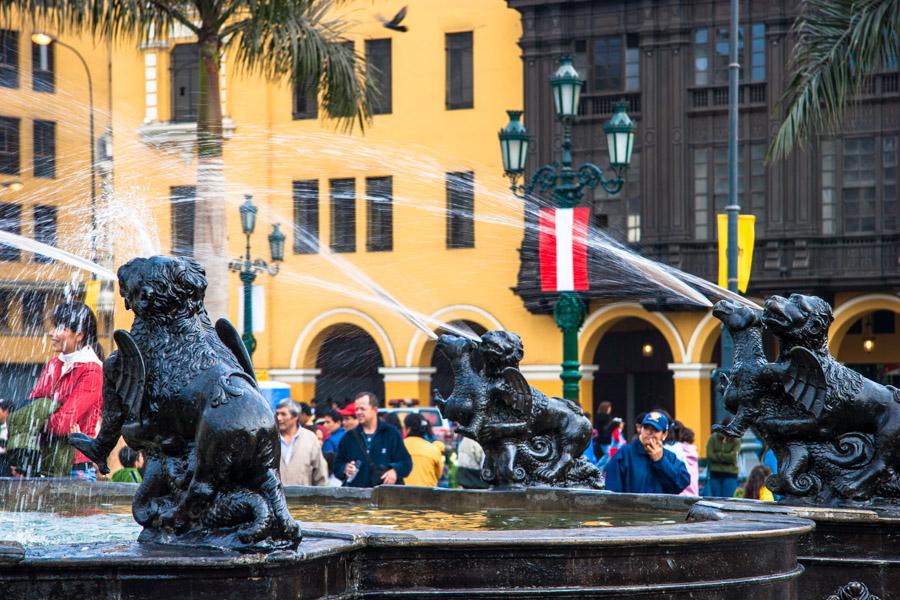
[709,553]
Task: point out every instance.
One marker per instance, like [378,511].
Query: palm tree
[838,44]
[276,38]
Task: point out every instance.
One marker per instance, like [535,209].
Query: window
[306,102]
[461,210]
[829,183]
[45,229]
[631,194]
[343,215]
[43,73]
[379,214]
[858,189]
[378,55]
[6,299]
[711,185]
[34,307]
[10,221]
[9,58]
[182,219]
[858,178]
[607,73]
[9,146]
[889,179]
[614,64]
[45,149]
[459,70]
[185,82]
[306,216]
[711,55]
[757,52]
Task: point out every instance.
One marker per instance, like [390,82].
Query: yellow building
[45,183]
[376,203]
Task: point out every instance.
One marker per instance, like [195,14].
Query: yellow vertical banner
[92,294]
[746,240]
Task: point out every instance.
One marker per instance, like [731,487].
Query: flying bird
[394,24]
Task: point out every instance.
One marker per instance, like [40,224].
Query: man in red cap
[348,417]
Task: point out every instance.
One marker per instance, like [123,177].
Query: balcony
[603,105]
[824,264]
[750,95]
[179,136]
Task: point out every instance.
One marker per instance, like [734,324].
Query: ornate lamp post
[248,268]
[568,187]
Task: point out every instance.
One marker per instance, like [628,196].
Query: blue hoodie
[387,450]
[632,471]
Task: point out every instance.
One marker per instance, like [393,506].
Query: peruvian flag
[562,246]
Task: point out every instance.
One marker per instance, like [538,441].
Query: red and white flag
[562,246]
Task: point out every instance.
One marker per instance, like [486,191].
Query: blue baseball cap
[657,420]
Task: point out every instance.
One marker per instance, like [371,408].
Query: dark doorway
[633,372]
[442,378]
[349,360]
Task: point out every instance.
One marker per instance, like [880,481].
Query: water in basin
[113,522]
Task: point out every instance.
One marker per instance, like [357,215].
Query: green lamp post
[247,268]
[568,185]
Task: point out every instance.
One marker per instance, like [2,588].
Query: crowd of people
[355,445]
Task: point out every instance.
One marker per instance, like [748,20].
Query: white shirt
[287,448]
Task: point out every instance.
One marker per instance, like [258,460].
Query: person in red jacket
[73,379]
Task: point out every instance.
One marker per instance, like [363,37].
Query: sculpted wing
[805,380]
[129,373]
[520,397]
[229,336]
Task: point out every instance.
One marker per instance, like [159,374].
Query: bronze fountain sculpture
[836,434]
[185,394]
[528,437]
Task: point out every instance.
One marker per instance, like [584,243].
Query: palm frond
[838,44]
[304,40]
[118,19]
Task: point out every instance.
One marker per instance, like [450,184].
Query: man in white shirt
[302,462]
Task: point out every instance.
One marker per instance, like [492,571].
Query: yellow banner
[92,294]
[746,240]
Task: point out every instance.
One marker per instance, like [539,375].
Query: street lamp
[45,39]
[248,268]
[568,186]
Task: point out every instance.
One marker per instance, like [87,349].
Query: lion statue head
[162,287]
[736,317]
[501,349]
[799,321]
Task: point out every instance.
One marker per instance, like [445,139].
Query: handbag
[375,471]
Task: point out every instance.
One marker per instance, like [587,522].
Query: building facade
[45,184]
[413,216]
[826,218]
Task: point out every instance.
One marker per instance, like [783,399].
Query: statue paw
[727,431]
[88,446]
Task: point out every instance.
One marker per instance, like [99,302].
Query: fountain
[212,532]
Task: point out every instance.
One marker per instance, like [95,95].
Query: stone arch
[703,340]
[600,321]
[848,312]
[348,361]
[306,348]
[420,348]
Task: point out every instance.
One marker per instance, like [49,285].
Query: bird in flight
[395,23]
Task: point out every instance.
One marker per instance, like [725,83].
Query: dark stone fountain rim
[707,521]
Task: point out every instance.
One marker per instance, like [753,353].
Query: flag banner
[746,241]
[562,248]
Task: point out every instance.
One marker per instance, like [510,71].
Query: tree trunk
[210,231]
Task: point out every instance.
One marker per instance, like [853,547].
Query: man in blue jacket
[373,452]
[644,466]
